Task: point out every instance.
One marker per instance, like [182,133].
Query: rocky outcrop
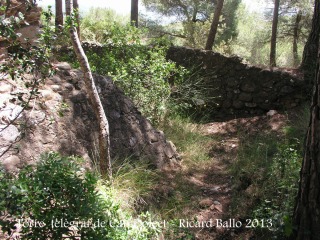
[62,120]
[238,87]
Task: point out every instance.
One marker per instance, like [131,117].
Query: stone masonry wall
[239,87]
[61,119]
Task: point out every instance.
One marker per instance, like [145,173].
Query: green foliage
[145,80]
[251,45]
[190,18]
[56,190]
[96,25]
[230,21]
[240,31]
[266,175]
[25,58]
[280,189]
[142,72]
[183,10]
[8,26]
[192,21]
[57,194]
[254,33]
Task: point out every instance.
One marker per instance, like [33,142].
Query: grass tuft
[133,183]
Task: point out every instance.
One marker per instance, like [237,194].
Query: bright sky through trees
[123,6]
[120,6]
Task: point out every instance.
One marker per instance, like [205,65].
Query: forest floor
[201,197]
[205,193]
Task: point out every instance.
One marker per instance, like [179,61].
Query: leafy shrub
[266,176]
[58,198]
[96,24]
[142,72]
[280,190]
[24,58]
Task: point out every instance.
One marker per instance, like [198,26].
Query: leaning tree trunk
[104,141]
[309,57]
[306,221]
[274,33]
[134,13]
[214,25]
[59,15]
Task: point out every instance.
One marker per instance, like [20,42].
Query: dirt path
[213,183]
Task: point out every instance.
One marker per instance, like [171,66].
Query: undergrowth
[58,198]
[193,147]
[188,138]
[141,71]
[266,175]
[132,184]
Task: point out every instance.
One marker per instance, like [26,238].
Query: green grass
[189,139]
[266,173]
[194,146]
[133,183]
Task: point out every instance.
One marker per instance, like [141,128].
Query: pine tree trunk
[104,141]
[274,33]
[134,13]
[59,15]
[306,221]
[309,57]
[295,39]
[214,25]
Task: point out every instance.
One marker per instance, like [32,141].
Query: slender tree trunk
[309,57]
[214,25]
[104,141]
[134,12]
[295,39]
[59,15]
[306,221]
[274,33]
[76,8]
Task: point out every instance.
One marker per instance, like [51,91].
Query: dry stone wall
[62,120]
[131,134]
[239,87]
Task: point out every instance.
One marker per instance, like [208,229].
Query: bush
[58,198]
[280,189]
[26,62]
[142,72]
[266,177]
